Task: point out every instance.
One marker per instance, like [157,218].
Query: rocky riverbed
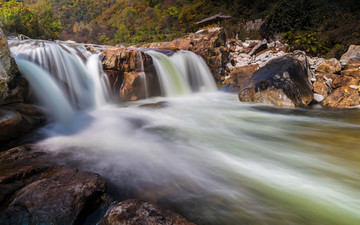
[35,190]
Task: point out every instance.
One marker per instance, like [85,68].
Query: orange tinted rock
[124,66]
[342,97]
[240,74]
[329,66]
[321,88]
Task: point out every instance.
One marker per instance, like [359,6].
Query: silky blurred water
[216,160]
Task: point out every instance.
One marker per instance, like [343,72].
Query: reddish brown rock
[240,74]
[329,66]
[321,88]
[133,86]
[342,97]
[126,67]
[138,212]
[345,81]
[352,69]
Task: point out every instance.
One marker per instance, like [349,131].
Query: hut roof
[219,16]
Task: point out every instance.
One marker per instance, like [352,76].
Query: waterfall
[77,73]
[195,71]
[47,91]
[182,73]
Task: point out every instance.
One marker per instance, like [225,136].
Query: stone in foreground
[283,82]
[138,212]
[32,192]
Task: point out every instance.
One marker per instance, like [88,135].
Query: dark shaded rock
[157,105]
[34,192]
[240,74]
[139,212]
[259,47]
[283,82]
[18,119]
[13,88]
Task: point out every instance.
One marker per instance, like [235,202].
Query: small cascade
[182,73]
[47,91]
[77,73]
[143,75]
[171,81]
[195,71]
[94,67]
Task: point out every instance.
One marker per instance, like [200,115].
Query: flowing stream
[216,160]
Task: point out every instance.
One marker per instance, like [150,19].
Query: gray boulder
[13,88]
[352,55]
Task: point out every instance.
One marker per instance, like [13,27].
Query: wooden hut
[213,20]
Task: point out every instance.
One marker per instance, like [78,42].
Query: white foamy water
[216,160]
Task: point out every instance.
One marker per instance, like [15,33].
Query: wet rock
[329,66]
[133,86]
[352,55]
[13,88]
[139,212]
[18,119]
[157,105]
[33,192]
[283,82]
[240,74]
[131,72]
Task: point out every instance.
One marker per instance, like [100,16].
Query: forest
[320,27]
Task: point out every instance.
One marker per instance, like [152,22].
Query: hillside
[320,27]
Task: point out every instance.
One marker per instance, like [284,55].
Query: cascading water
[76,75]
[209,157]
[182,73]
[194,69]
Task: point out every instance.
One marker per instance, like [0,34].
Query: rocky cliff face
[208,43]
[13,88]
[131,73]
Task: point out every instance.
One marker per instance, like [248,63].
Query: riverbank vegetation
[319,27]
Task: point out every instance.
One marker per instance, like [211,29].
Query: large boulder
[352,55]
[209,44]
[283,82]
[138,212]
[13,88]
[130,72]
[34,192]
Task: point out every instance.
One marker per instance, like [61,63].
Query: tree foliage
[35,21]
